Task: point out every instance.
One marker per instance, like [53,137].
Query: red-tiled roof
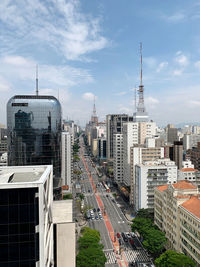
[162,187]
[184,185]
[189,170]
[192,205]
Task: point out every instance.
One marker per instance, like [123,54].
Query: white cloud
[57,24]
[177,72]
[162,65]
[121,93]
[174,18]
[4,85]
[151,100]
[88,96]
[195,103]
[182,60]
[18,68]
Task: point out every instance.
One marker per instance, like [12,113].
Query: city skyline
[86,49]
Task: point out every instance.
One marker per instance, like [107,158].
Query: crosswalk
[111,258]
[136,255]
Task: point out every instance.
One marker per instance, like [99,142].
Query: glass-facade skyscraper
[34,132]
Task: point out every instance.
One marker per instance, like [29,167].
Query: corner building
[34,132]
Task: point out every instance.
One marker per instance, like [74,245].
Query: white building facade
[149,175]
[118,158]
[134,133]
[67,159]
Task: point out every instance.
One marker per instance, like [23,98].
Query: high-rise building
[34,132]
[26,222]
[118,158]
[149,175]
[172,134]
[138,155]
[67,159]
[178,153]
[114,125]
[134,133]
[190,141]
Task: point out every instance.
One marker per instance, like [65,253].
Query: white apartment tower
[134,133]
[118,158]
[149,175]
[67,159]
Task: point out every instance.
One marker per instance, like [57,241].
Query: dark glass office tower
[34,132]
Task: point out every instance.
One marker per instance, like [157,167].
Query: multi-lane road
[113,221]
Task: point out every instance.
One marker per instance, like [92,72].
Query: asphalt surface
[112,209]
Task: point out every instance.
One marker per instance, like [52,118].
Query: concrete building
[114,125]
[64,234]
[176,212]
[172,134]
[134,133]
[118,158]
[190,141]
[101,148]
[194,155]
[67,159]
[178,153]
[26,223]
[139,155]
[149,175]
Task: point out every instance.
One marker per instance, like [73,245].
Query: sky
[90,49]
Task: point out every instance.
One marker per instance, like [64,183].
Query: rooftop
[62,211]
[189,170]
[34,97]
[193,206]
[21,174]
[162,187]
[184,185]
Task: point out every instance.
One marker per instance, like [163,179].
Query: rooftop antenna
[141,64]
[135,98]
[94,108]
[36,79]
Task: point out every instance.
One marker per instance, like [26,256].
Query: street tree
[171,258]
[141,225]
[90,250]
[154,241]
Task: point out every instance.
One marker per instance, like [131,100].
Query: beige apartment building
[177,213]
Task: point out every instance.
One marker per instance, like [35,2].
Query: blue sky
[90,48]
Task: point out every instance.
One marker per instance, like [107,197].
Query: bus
[106,187]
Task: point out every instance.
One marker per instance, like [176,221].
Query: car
[128,235]
[107,195]
[118,235]
[100,217]
[96,217]
[88,190]
[94,210]
[98,209]
[92,217]
[113,200]
[124,237]
[133,234]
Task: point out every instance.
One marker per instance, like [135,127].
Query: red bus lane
[106,219]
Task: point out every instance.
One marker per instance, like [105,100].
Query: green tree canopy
[90,250]
[145,213]
[141,225]
[172,258]
[154,241]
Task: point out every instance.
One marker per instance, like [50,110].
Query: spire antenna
[94,108]
[37,80]
[141,63]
